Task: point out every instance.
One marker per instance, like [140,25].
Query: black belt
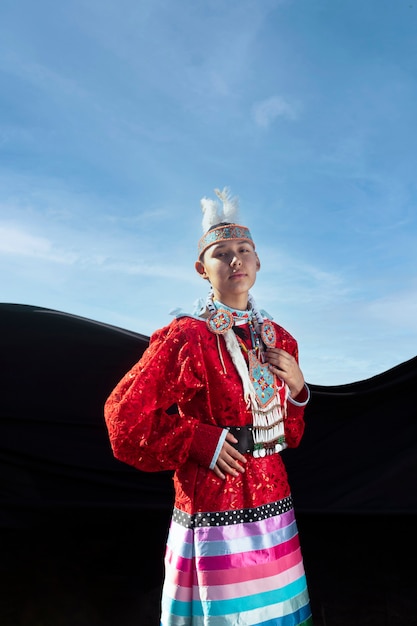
[243,434]
[246,445]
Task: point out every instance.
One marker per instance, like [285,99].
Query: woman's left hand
[285,366]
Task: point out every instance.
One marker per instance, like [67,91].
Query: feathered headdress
[213,213]
[220,222]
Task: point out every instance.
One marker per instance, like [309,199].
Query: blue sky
[116,118]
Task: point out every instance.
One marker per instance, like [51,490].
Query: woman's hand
[229,459]
[286,367]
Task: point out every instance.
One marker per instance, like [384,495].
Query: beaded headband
[219,223]
[222,232]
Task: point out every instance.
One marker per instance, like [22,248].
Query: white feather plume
[213,213]
[230,205]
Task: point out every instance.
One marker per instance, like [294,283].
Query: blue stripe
[179,546]
[298,618]
[176,541]
[246,544]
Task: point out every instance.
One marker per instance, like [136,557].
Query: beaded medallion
[220,321]
[268,334]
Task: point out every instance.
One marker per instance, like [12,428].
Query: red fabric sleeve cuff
[303,397]
[204,444]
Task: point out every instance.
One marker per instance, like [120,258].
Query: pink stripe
[180,579]
[180,569]
[246,588]
[183,594]
[252,573]
[179,588]
[176,561]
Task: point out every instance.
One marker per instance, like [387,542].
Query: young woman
[233,555]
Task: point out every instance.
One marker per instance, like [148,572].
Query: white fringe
[238,359]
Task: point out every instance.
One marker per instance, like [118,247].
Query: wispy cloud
[397,309]
[123,260]
[267,111]
[17,242]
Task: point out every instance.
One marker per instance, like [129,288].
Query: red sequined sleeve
[294,423]
[141,431]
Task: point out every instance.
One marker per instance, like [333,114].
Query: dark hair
[219,224]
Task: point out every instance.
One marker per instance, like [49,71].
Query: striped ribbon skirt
[235,568]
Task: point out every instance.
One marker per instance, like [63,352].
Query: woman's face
[231,268]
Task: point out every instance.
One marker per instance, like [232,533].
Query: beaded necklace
[261,389]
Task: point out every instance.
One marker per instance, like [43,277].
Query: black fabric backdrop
[62,493]
[358,454]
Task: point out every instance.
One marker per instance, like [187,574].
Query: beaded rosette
[220,321]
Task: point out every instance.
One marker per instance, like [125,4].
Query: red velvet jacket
[182,366]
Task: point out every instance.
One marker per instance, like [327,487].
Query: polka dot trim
[229,518]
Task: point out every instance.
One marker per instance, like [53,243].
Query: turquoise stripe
[248,603]
[179,608]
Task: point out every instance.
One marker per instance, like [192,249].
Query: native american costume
[233,556]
